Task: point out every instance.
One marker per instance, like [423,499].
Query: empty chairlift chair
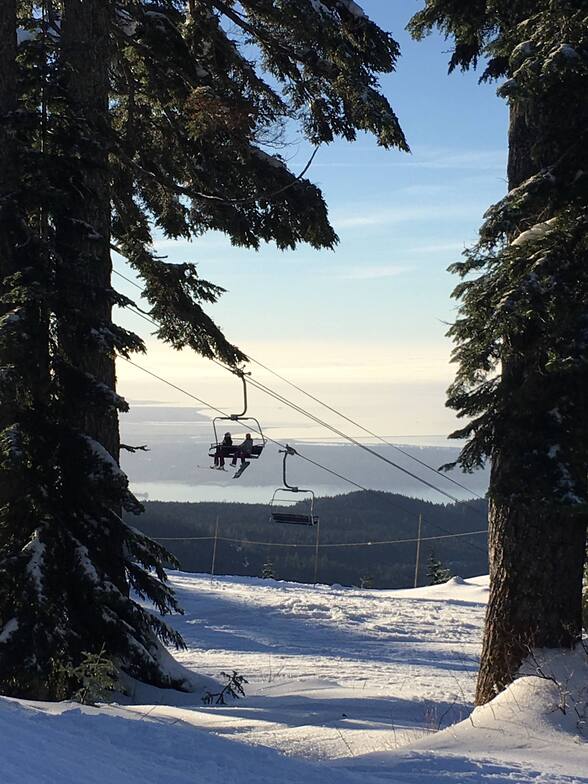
[282,499]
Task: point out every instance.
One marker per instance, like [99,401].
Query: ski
[240,471]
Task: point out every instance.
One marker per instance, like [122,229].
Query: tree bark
[536,551]
[7,185]
[24,350]
[83,232]
[7,72]
[7,105]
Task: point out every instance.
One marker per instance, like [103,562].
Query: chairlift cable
[222,413]
[334,410]
[338,432]
[128,280]
[319,421]
[329,407]
[365,429]
[321,545]
[325,424]
[294,406]
[279,444]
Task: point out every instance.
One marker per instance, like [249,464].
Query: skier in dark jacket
[223,450]
[244,450]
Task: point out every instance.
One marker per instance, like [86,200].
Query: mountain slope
[346,686]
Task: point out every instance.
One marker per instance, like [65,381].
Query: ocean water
[252,494]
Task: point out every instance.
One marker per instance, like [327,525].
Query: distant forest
[355,517]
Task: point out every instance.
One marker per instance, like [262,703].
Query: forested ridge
[354,517]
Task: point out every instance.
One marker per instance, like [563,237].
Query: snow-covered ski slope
[346,686]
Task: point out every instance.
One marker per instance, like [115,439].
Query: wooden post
[316,551]
[214,550]
[418,553]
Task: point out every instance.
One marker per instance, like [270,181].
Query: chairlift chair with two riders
[280,499]
[233,451]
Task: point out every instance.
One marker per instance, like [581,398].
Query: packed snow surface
[346,686]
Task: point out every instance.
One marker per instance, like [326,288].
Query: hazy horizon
[177,465]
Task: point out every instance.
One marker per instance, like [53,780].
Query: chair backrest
[249,424]
[284,497]
[294,519]
[232,450]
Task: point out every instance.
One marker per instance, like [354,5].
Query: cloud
[212,239]
[368,215]
[373,272]
[431,158]
[440,158]
[439,247]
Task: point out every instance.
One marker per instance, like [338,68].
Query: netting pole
[418,552]
[316,551]
[214,550]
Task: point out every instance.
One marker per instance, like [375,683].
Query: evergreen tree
[129,115]
[437,572]
[268,572]
[521,335]
[29,535]
[66,559]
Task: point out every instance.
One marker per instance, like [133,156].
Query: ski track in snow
[346,686]
[384,641]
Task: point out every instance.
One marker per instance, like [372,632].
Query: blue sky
[363,325]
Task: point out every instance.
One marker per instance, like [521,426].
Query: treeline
[345,519]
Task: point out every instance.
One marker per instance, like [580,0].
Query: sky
[362,326]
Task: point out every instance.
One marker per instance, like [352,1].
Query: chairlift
[279,499]
[241,417]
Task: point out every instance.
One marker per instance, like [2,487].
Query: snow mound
[456,589]
[535,722]
[85,745]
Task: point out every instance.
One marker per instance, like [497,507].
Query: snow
[349,5]
[522,50]
[104,459]
[568,51]
[86,564]
[91,233]
[273,160]
[320,8]
[346,686]
[10,627]
[12,438]
[24,36]
[353,8]
[35,549]
[536,232]
[126,21]
[12,318]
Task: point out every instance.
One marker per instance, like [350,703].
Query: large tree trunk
[7,184]
[8,171]
[25,350]
[7,83]
[536,551]
[83,233]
